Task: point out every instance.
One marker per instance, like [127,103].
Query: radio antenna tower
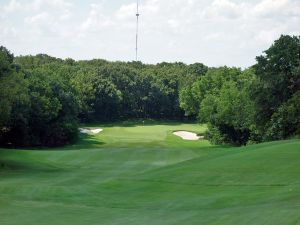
[137,30]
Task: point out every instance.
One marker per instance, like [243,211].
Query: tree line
[260,103]
[43,99]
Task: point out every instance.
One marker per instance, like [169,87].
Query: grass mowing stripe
[134,174]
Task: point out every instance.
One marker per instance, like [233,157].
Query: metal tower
[137,30]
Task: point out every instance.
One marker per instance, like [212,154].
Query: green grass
[139,175]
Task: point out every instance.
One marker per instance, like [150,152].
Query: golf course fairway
[137,174]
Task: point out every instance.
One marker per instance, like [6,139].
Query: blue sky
[216,32]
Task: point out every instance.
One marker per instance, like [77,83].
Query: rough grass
[134,174]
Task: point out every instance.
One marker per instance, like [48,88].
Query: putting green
[143,174]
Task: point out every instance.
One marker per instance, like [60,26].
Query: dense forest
[44,99]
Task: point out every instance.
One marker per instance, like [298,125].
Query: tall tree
[278,78]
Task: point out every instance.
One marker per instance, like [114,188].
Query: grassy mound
[143,174]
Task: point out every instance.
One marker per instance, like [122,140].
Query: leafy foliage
[43,98]
[228,109]
[259,103]
[37,107]
[285,122]
[278,78]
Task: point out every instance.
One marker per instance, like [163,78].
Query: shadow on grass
[8,165]
[139,122]
[85,141]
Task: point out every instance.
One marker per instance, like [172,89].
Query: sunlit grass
[135,173]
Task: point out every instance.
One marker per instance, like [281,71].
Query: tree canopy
[257,104]
[43,98]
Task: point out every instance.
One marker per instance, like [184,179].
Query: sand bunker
[185,135]
[90,130]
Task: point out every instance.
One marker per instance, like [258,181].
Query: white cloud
[224,8]
[267,36]
[7,32]
[48,4]
[214,32]
[36,5]
[38,20]
[97,19]
[13,6]
[270,6]
[125,11]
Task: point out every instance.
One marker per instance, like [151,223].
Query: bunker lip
[90,130]
[187,135]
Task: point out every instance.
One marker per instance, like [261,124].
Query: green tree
[13,94]
[278,78]
[285,122]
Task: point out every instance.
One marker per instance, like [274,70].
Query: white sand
[185,135]
[90,131]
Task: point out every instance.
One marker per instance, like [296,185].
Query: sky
[215,32]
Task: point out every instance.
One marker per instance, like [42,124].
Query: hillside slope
[145,175]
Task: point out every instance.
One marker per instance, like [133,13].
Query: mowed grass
[139,174]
